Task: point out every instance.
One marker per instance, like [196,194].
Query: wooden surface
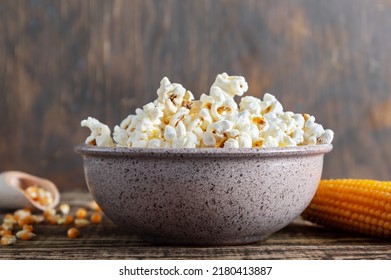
[300,240]
[61,61]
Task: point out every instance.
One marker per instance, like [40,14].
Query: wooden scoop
[13,185]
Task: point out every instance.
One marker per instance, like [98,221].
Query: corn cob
[360,206]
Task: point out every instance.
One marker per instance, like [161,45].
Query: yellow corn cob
[361,206]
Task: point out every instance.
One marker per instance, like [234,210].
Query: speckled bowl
[203,196]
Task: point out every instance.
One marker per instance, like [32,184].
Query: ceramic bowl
[203,196]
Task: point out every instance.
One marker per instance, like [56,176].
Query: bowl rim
[88,150]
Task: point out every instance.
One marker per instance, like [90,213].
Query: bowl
[203,196]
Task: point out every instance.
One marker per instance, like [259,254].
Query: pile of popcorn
[176,120]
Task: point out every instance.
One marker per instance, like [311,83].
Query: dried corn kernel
[9,218]
[65,208]
[27,220]
[38,218]
[28,227]
[49,212]
[81,222]
[81,213]
[4,232]
[53,219]
[94,206]
[8,226]
[96,218]
[65,220]
[25,234]
[21,214]
[73,233]
[8,240]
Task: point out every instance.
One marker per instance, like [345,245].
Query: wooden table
[299,240]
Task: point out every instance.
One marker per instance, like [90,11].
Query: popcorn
[209,140]
[227,109]
[176,120]
[271,104]
[251,104]
[326,137]
[169,133]
[229,85]
[231,143]
[245,141]
[100,133]
[120,136]
[170,96]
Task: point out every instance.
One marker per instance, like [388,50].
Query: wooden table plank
[299,240]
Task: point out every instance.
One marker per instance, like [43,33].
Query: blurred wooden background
[61,61]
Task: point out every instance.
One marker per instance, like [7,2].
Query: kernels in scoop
[73,233]
[81,213]
[8,240]
[96,218]
[39,195]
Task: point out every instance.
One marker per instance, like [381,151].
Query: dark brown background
[61,61]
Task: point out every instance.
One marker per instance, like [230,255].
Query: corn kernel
[25,234]
[9,218]
[53,219]
[21,214]
[81,222]
[8,240]
[81,213]
[4,232]
[38,218]
[96,218]
[73,233]
[28,227]
[27,220]
[94,206]
[8,226]
[65,208]
[65,220]
[49,212]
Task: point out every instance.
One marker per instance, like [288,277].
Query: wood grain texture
[61,61]
[300,240]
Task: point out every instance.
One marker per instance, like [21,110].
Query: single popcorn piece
[170,96]
[326,137]
[230,85]
[176,120]
[231,143]
[251,104]
[100,133]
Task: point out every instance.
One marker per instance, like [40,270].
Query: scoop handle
[12,195]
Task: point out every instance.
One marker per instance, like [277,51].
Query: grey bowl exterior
[203,196]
